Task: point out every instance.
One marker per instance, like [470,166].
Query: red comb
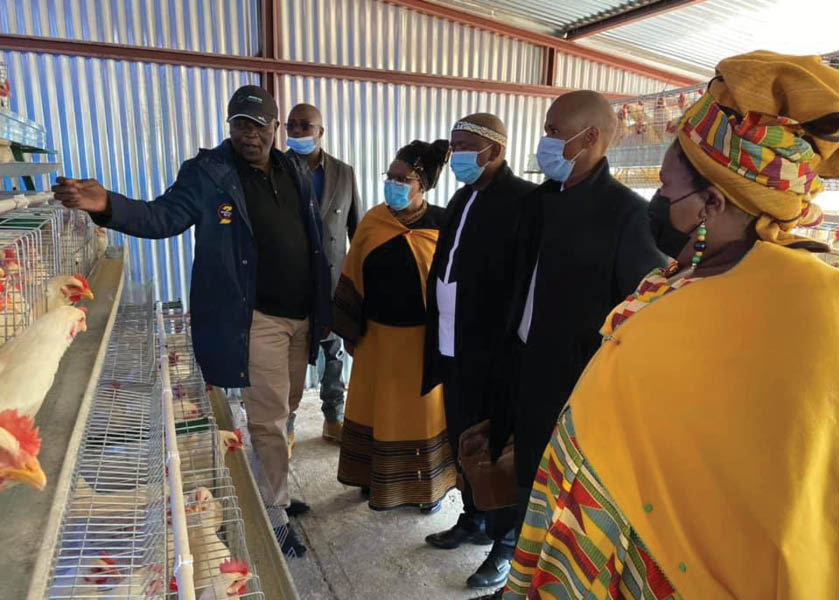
[106,558]
[234,565]
[85,282]
[173,585]
[23,429]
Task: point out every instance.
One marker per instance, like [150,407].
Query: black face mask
[668,239]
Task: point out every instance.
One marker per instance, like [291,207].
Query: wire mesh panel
[215,529]
[131,349]
[646,127]
[116,536]
[112,540]
[23,278]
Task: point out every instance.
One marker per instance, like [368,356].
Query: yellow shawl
[712,417]
[376,228]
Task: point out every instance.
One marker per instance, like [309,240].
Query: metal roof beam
[539,39]
[591,27]
[268,66]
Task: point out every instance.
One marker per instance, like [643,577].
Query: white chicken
[201,509]
[94,576]
[208,551]
[197,456]
[28,363]
[19,448]
[229,583]
[101,577]
[67,290]
[124,505]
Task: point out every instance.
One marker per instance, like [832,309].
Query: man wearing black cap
[260,294]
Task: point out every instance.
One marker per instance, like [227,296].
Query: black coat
[208,194]
[594,246]
[483,269]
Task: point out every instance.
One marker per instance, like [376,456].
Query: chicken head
[20,444]
[230,583]
[231,440]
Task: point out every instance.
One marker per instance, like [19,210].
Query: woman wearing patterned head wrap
[698,456]
[394,443]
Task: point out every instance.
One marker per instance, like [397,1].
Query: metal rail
[183,567]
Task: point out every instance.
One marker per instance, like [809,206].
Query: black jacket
[208,194]
[594,246]
[483,269]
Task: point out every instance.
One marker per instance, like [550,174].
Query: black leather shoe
[291,545]
[461,533]
[494,569]
[297,508]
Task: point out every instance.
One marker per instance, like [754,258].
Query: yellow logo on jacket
[225,213]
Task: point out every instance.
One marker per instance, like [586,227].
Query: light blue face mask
[551,157]
[303,145]
[397,195]
[465,166]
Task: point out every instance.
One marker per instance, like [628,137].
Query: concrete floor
[359,554]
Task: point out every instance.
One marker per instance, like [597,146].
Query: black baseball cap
[252,102]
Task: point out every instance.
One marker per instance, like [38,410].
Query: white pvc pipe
[183,557]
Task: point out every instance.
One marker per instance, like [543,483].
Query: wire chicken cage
[131,350]
[646,128]
[38,242]
[133,488]
[23,276]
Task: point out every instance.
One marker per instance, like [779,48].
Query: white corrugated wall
[378,35]
[131,124]
[366,123]
[221,26]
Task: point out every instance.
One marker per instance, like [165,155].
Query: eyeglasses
[304,125]
[398,179]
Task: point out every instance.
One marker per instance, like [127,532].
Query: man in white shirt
[469,296]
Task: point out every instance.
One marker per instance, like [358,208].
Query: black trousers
[500,525]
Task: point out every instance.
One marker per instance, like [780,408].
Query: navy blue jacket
[208,194]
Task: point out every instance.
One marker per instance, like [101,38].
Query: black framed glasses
[398,179]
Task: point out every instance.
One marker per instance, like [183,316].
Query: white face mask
[551,157]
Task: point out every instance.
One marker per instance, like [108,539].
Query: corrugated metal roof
[549,16]
[701,35]
[692,39]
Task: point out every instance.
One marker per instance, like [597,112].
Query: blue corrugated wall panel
[130,125]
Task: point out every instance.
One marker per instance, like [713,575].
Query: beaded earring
[700,245]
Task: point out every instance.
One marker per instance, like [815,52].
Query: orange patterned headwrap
[765,133]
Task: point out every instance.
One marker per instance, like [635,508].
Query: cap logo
[255,99]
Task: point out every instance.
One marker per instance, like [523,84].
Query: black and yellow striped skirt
[394,440]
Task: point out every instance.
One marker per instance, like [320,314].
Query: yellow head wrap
[752,135]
